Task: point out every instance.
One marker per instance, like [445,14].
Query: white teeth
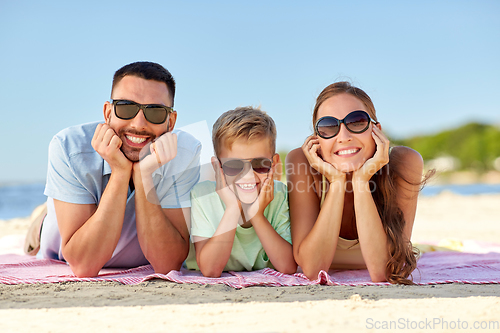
[247,186]
[347,151]
[136,139]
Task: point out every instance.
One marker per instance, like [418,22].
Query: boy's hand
[379,159]
[310,148]
[107,144]
[265,197]
[227,196]
[158,153]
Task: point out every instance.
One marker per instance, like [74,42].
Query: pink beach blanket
[480,267]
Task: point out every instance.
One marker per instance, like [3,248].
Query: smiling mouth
[136,140]
[347,152]
[247,187]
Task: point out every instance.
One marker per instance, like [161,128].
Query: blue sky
[428,65]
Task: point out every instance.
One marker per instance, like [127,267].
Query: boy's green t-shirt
[248,254]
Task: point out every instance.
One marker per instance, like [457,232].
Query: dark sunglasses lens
[233,167]
[126,110]
[327,127]
[261,165]
[357,121]
[155,115]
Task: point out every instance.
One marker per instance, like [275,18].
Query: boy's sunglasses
[355,122]
[236,166]
[154,113]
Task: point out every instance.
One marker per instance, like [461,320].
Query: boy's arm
[278,250]
[212,254]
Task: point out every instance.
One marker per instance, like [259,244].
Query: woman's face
[346,151]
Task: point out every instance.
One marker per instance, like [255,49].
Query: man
[118,191]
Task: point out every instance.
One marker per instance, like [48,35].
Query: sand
[159,306]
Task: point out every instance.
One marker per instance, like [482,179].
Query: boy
[241,221]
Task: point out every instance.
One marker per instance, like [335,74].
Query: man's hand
[310,148]
[158,153]
[107,144]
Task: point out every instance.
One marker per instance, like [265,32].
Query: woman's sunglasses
[355,122]
[154,113]
[234,167]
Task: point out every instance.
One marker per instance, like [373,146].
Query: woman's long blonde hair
[403,260]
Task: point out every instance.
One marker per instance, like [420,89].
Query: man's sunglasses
[355,122]
[234,167]
[154,113]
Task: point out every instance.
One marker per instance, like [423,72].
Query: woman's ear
[379,126]
[277,167]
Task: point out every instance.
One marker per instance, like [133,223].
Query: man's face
[136,133]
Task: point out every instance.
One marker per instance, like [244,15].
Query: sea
[19,200]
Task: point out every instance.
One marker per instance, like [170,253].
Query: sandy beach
[159,306]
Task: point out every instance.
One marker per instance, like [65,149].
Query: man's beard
[131,153]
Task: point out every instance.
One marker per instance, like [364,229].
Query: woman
[352,198]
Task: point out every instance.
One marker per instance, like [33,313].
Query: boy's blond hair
[243,123]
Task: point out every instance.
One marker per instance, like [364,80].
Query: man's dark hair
[148,71]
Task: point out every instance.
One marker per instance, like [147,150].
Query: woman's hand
[379,159]
[311,147]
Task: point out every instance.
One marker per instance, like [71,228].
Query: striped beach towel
[482,266]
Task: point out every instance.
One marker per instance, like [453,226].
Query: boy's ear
[277,167]
[215,163]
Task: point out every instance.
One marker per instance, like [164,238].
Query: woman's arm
[411,169]
[315,231]
[371,233]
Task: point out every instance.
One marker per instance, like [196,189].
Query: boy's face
[247,184]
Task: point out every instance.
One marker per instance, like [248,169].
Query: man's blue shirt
[78,174]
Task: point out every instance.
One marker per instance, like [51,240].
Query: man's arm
[90,233]
[163,233]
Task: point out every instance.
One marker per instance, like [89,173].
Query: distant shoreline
[465,178]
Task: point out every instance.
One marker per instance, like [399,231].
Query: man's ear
[107,111]
[277,167]
[172,118]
